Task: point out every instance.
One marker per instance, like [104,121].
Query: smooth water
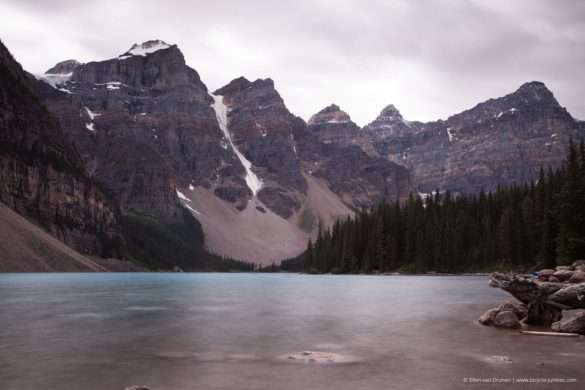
[231,331]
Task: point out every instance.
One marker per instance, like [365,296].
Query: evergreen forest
[514,228]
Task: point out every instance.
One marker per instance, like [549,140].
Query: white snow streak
[192,209]
[91,114]
[292,140]
[221,110]
[90,127]
[182,196]
[451,136]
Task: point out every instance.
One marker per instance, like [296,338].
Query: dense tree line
[512,228]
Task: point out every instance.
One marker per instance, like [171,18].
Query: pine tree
[309,263]
[570,211]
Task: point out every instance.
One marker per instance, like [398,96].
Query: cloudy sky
[429,58]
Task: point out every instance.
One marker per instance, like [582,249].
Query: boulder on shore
[579,263]
[517,308]
[577,277]
[563,275]
[573,321]
[507,319]
[489,316]
[545,274]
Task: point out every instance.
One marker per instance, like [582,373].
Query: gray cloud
[429,58]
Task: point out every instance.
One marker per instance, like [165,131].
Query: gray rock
[498,359]
[544,274]
[573,321]
[497,142]
[579,263]
[489,317]
[517,308]
[577,277]
[563,275]
[563,268]
[553,279]
[507,319]
[138,388]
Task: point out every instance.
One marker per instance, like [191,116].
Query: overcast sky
[431,59]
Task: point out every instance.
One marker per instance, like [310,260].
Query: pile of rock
[508,315]
[574,273]
[551,297]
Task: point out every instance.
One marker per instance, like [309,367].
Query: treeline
[515,227]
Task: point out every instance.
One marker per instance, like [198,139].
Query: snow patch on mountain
[221,110]
[144,49]
[54,79]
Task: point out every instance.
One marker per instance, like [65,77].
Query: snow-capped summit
[145,48]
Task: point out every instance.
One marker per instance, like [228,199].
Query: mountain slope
[246,167]
[498,142]
[25,247]
[41,174]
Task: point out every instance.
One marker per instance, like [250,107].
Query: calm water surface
[229,331]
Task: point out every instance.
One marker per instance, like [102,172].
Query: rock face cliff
[334,126]
[41,174]
[501,141]
[148,129]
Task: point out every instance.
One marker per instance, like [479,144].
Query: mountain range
[85,145]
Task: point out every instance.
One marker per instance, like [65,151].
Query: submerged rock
[320,357]
[174,354]
[498,359]
[138,388]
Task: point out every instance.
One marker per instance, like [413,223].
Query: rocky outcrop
[41,174]
[507,315]
[64,67]
[261,128]
[143,122]
[333,126]
[573,321]
[498,142]
[506,319]
[543,302]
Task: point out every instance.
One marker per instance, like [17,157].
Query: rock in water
[507,319]
[517,308]
[489,316]
[138,388]
[573,321]
[320,357]
[499,359]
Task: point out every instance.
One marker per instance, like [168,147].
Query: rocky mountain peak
[535,91]
[330,114]
[64,67]
[145,48]
[390,112]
